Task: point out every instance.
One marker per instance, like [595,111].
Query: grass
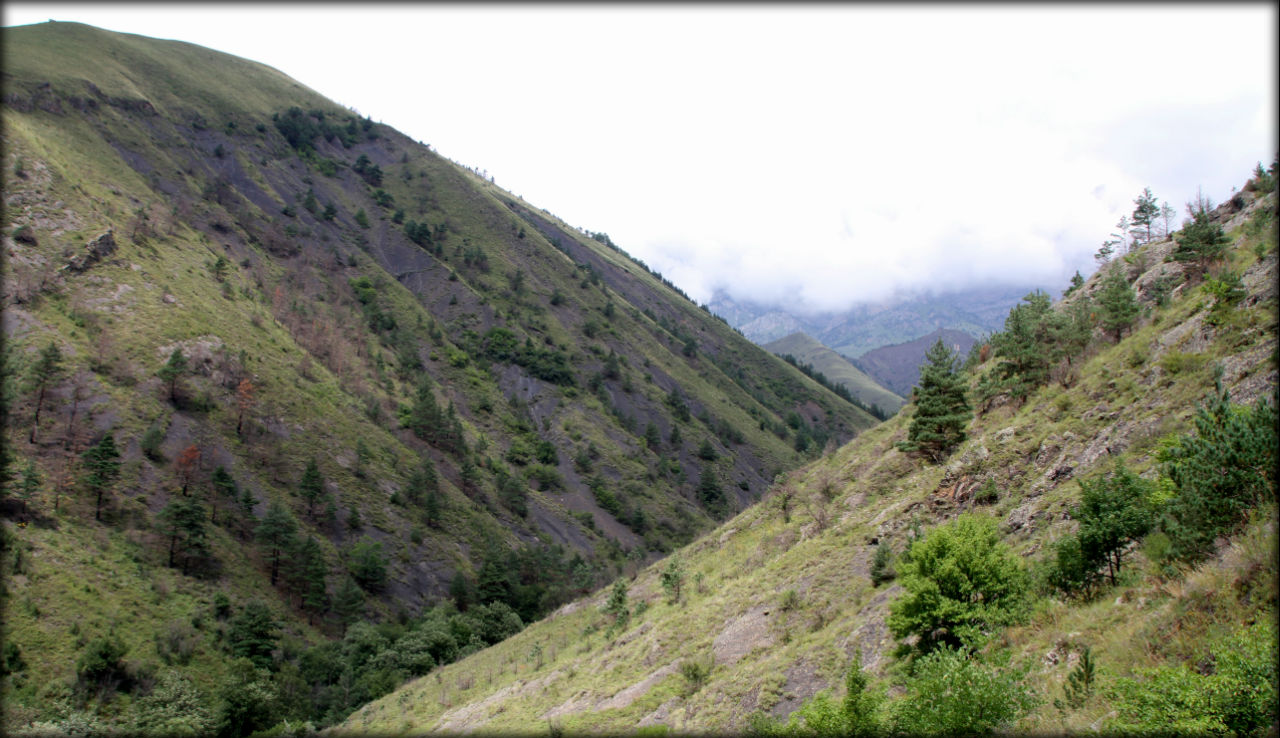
[1147,620]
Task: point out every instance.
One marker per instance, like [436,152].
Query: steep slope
[808,350]
[778,599]
[898,366]
[266,301]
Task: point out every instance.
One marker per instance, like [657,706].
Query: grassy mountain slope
[807,350]
[387,308]
[778,599]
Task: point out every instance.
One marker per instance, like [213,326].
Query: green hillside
[286,317]
[807,350]
[772,608]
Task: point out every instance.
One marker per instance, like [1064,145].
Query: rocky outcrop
[94,252]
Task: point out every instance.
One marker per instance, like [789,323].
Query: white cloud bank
[814,155]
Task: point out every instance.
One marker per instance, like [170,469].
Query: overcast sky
[816,155]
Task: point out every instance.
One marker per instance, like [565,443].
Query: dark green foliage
[604,496]
[1226,469]
[1023,347]
[172,371]
[247,701]
[672,578]
[1114,511]
[253,634]
[882,564]
[441,428]
[513,493]
[182,521]
[330,212]
[368,565]
[1227,290]
[952,693]
[101,666]
[1118,303]
[276,532]
[150,443]
[942,409]
[652,437]
[679,410]
[348,602]
[1238,697]
[305,575]
[709,491]
[1079,683]
[1200,243]
[174,707]
[706,451]
[549,365]
[361,218]
[102,468]
[961,581]
[370,172]
[616,606]
[1145,212]
[42,375]
[311,486]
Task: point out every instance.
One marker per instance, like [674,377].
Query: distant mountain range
[977,312]
[897,367]
[838,369]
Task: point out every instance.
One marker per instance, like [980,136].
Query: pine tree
[1201,243]
[306,575]
[102,467]
[1145,212]
[709,490]
[1118,302]
[942,409]
[311,487]
[172,371]
[182,520]
[43,374]
[29,485]
[348,603]
[276,532]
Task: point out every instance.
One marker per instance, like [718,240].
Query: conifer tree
[311,486]
[182,520]
[1201,243]
[1145,212]
[43,374]
[276,532]
[102,467]
[1118,302]
[172,371]
[348,603]
[942,409]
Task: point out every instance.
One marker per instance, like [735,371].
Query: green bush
[882,564]
[960,581]
[1227,468]
[1238,698]
[951,693]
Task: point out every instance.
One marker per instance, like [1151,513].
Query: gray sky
[815,155]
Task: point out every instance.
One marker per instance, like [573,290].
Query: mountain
[898,366]
[348,381]
[759,621]
[977,311]
[806,350]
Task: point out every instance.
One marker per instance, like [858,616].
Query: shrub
[696,673]
[1238,698]
[953,694]
[882,564]
[960,580]
[368,565]
[1221,472]
[150,443]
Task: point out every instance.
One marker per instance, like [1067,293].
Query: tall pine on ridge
[942,409]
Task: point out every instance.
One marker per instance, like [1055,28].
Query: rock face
[94,252]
